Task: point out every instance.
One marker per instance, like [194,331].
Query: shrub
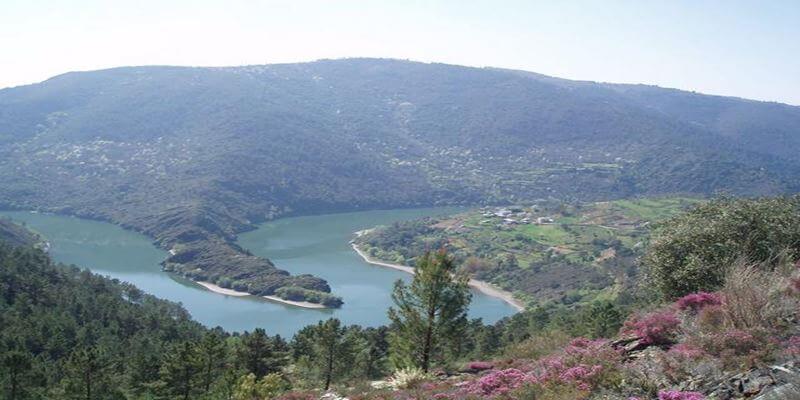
[677,395]
[498,383]
[792,346]
[407,378]
[795,284]
[295,293]
[735,341]
[737,348]
[686,351]
[696,301]
[539,345]
[754,298]
[225,283]
[269,386]
[691,252]
[479,365]
[583,364]
[657,328]
[710,319]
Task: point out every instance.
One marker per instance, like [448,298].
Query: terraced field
[542,252]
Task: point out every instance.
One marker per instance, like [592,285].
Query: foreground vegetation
[732,332]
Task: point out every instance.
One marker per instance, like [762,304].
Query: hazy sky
[742,48]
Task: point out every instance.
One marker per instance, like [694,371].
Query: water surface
[317,245]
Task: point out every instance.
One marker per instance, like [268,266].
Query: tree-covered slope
[16,235]
[192,156]
[62,329]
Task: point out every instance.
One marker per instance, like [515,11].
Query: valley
[193,157]
[318,245]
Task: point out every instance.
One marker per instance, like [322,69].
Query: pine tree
[430,313]
[327,351]
[211,354]
[15,365]
[371,357]
[257,354]
[86,374]
[179,371]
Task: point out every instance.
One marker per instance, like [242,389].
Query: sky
[747,49]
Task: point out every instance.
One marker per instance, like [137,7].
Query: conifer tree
[257,354]
[334,350]
[430,313]
[15,365]
[86,374]
[211,355]
[179,371]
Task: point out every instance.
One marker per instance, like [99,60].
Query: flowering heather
[656,328]
[677,395]
[792,346]
[497,383]
[697,301]
[735,341]
[685,350]
[580,375]
[479,365]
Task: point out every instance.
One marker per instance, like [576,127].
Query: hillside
[16,235]
[193,156]
[69,333]
[547,252]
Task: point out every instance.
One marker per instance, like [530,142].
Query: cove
[315,244]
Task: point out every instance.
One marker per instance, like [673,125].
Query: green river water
[318,245]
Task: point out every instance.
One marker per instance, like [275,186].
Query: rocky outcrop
[776,382]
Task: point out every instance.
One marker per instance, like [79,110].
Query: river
[318,245]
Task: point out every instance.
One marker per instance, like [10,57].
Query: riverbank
[481,286]
[230,292]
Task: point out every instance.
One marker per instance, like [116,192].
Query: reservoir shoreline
[235,293]
[481,286]
[317,245]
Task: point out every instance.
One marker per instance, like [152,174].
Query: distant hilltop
[193,156]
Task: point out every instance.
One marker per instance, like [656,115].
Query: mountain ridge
[191,156]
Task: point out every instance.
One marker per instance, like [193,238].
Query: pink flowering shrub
[686,351]
[696,301]
[677,395]
[734,341]
[580,375]
[656,328]
[579,367]
[497,383]
[792,346]
[583,364]
[479,365]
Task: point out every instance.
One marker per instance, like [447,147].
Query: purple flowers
[479,366]
[498,382]
[656,328]
[677,395]
[697,301]
[686,351]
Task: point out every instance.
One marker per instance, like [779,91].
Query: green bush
[294,293]
[691,252]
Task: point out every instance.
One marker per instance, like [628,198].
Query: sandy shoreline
[230,292]
[481,286]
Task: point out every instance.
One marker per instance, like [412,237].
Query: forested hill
[64,330]
[16,235]
[192,156]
